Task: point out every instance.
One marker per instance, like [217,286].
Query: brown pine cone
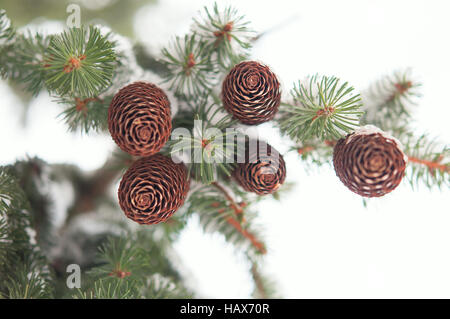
[139,119]
[251,93]
[152,189]
[263,171]
[369,162]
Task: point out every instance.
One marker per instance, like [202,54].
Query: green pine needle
[226,33]
[85,115]
[79,63]
[191,70]
[207,144]
[429,161]
[6,30]
[216,214]
[388,102]
[23,268]
[323,108]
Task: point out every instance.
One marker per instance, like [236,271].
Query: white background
[322,242]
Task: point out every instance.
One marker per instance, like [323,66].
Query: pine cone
[152,189]
[369,162]
[139,119]
[264,169]
[251,93]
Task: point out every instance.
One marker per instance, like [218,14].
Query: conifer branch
[237,208]
[33,177]
[258,245]
[22,60]
[219,212]
[207,145]
[86,114]
[428,161]
[7,31]
[323,108]
[191,69]
[315,152]
[226,33]
[110,289]
[389,101]
[79,63]
[159,287]
[264,287]
[24,271]
[432,165]
[128,268]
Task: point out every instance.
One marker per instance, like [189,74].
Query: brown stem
[236,224]
[305,149]
[237,208]
[252,238]
[309,148]
[259,285]
[430,164]
[80,104]
[73,63]
[119,272]
[401,89]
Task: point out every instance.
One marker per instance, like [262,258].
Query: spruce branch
[315,153]
[120,258]
[264,287]
[12,198]
[85,65]
[219,212]
[7,31]
[256,243]
[80,63]
[432,165]
[110,289]
[133,266]
[389,101]
[160,287]
[208,146]
[428,161]
[226,33]
[191,69]
[238,209]
[23,61]
[33,176]
[88,114]
[323,108]
[27,282]
[24,271]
